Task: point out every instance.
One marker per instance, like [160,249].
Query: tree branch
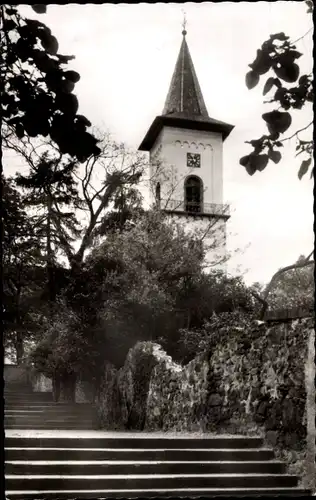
[297,265]
[297,132]
[303,36]
[77,258]
[63,240]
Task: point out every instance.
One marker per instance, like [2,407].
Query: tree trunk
[64,387]
[67,388]
[49,255]
[56,386]
[19,344]
[19,347]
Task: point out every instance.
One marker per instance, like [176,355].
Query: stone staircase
[49,453]
[122,465]
[25,409]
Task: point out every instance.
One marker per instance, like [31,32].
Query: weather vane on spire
[184,32]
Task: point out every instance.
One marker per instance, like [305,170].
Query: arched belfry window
[158,194]
[193,192]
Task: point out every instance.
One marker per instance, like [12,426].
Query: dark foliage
[38,97]
[292,91]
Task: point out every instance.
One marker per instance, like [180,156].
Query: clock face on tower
[193,160]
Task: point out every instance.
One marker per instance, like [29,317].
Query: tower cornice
[179,121]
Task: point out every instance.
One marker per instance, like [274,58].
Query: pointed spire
[185,97]
[184,106]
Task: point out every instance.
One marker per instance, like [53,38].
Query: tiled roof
[185,97]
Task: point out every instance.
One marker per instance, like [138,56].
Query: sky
[126,54]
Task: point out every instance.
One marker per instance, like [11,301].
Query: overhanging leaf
[252,78]
[304,168]
[289,73]
[83,121]
[73,76]
[310,6]
[262,63]
[294,54]
[250,168]
[50,43]
[279,36]
[277,121]
[244,160]
[67,86]
[65,59]
[39,8]
[275,156]
[260,162]
[268,85]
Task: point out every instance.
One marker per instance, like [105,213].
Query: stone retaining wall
[249,381]
[41,383]
[16,374]
[123,394]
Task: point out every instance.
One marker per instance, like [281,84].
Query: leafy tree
[295,288]
[107,186]
[103,191]
[146,283]
[216,294]
[60,352]
[215,327]
[290,287]
[23,275]
[50,190]
[126,292]
[38,97]
[292,91]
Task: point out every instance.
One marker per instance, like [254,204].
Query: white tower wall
[168,159]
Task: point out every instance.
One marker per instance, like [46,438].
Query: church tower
[186,166]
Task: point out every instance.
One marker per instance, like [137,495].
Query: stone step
[50,410]
[42,415]
[78,425]
[43,404]
[25,390]
[133,467]
[171,494]
[174,494]
[52,417]
[140,482]
[22,452]
[52,424]
[216,442]
[32,398]
[49,407]
[12,391]
[17,385]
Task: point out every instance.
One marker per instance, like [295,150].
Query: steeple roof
[184,106]
[185,97]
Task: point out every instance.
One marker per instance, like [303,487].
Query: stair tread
[166,492]
[140,476]
[136,462]
[165,489]
[137,450]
